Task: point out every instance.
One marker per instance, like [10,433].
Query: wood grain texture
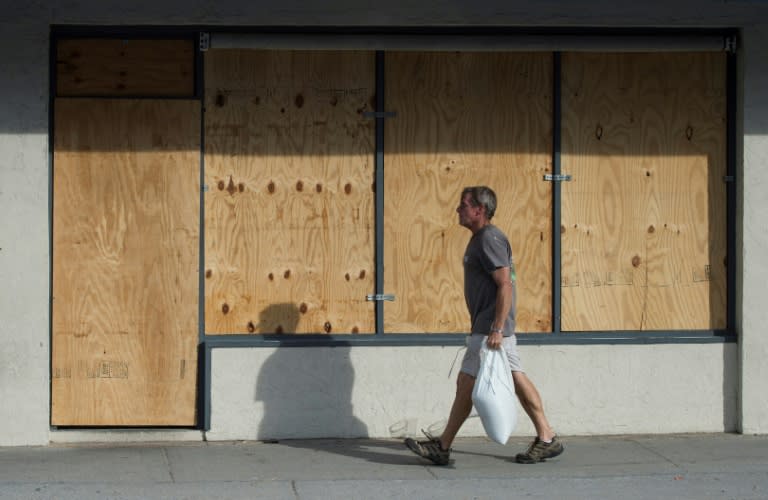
[289,240]
[643,221]
[465,119]
[116,67]
[125,262]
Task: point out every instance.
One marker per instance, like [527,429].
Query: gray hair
[482,196]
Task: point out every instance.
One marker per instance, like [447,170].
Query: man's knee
[523,385]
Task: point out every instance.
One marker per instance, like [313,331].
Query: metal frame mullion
[203,350]
[379,183]
[730,191]
[556,191]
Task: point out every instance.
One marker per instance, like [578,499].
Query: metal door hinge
[557,177]
[380,296]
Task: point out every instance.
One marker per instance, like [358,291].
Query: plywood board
[465,119]
[643,221]
[117,67]
[125,262]
[289,165]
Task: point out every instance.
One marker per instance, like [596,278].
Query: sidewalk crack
[168,464]
[428,468]
[658,454]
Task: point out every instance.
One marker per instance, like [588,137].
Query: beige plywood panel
[289,238]
[117,67]
[125,262]
[465,119]
[643,221]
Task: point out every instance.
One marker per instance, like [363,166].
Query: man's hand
[494,340]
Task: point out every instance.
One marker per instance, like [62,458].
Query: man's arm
[504,295]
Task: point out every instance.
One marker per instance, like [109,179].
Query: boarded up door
[465,119]
[289,222]
[643,220]
[125,262]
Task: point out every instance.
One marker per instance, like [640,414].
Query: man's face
[469,215]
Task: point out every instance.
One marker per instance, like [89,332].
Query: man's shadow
[306,393]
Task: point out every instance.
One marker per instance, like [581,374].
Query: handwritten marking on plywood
[125,260]
[464,119]
[289,209]
[644,139]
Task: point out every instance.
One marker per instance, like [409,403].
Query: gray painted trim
[451,339]
[541,42]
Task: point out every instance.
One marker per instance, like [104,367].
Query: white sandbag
[494,395]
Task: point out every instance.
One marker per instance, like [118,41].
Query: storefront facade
[225,226]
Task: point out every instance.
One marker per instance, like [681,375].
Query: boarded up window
[125,262]
[289,221]
[465,119]
[289,173]
[115,67]
[643,221]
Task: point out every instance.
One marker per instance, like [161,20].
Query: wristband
[495,330]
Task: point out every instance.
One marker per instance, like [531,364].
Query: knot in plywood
[231,186]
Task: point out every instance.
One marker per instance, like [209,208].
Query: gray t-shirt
[488,250]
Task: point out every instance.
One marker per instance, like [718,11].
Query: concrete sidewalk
[711,466]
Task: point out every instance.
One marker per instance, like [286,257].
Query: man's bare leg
[530,400]
[462,406]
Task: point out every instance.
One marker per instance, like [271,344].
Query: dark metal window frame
[379,338]
[490,39]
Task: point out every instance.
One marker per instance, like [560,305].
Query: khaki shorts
[471,362]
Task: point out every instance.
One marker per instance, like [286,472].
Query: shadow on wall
[305,392]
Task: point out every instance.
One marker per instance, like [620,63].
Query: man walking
[490,293]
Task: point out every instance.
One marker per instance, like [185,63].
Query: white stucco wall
[754,232]
[386,392]
[24,242]
[626,385]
